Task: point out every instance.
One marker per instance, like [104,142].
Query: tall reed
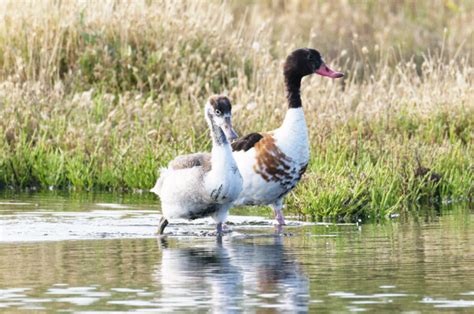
[100,95]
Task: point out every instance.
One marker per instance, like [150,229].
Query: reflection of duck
[234,276]
[269,269]
[199,277]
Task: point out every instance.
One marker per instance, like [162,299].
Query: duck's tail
[159,183]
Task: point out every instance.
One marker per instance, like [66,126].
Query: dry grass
[99,94]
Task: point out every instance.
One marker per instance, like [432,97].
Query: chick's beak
[229,130]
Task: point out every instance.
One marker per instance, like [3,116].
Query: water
[98,253]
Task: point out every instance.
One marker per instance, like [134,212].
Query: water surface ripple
[111,261]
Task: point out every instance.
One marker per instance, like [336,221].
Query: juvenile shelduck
[201,185]
[272,163]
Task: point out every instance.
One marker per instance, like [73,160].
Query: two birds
[257,169]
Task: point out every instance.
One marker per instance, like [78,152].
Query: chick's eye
[218,112]
[310,57]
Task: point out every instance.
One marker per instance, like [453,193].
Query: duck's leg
[162,225]
[278,213]
[219,230]
[219,217]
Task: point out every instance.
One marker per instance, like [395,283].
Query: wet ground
[90,253]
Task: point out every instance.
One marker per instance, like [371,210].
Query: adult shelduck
[202,185]
[272,163]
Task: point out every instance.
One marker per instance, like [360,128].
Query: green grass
[363,169]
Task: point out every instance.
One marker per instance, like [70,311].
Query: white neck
[294,124]
[292,136]
[221,156]
[223,165]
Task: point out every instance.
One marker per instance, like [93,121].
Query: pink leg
[277,211]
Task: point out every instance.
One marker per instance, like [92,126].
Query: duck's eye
[310,57]
[218,112]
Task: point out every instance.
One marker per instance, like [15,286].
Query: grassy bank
[98,96]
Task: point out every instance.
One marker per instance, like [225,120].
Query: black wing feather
[246,142]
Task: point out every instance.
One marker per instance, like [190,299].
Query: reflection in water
[234,275]
[413,264]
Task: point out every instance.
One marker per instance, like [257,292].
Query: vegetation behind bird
[99,95]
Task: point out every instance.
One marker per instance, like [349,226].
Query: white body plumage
[272,163]
[202,185]
[192,193]
[292,140]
